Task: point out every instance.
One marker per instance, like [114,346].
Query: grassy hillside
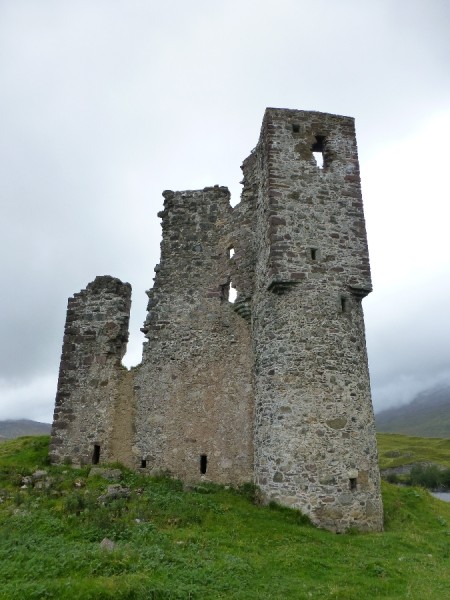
[395,450]
[428,415]
[205,542]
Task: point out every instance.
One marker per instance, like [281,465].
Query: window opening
[296,128]
[230,252]
[318,157]
[313,253]
[203,464]
[318,149]
[352,483]
[143,463]
[344,304]
[224,292]
[96,455]
[228,293]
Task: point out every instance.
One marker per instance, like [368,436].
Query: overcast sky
[106,103]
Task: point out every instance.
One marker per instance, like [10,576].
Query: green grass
[395,450]
[29,452]
[208,542]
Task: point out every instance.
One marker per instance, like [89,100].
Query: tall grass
[207,542]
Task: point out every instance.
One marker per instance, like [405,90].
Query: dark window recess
[143,463]
[344,304]
[224,292]
[296,128]
[313,253]
[96,455]
[352,483]
[318,150]
[203,464]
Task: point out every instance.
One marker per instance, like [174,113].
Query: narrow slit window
[344,304]
[225,292]
[318,149]
[96,455]
[230,252]
[353,483]
[143,463]
[203,464]
[313,253]
[228,293]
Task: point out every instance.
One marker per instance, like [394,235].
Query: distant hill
[428,415]
[13,428]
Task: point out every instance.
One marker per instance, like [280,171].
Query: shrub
[75,503]
[251,492]
[392,478]
[430,477]
[445,479]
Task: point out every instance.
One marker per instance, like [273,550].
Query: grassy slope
[208,543]
[395,450]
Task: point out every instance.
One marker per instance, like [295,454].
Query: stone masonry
[272,387]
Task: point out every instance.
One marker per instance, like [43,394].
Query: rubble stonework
[273,387]
[90,373]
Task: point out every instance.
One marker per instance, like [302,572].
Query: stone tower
[91,375]
[273,387]
[314,434]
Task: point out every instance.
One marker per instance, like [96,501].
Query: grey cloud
[105,104]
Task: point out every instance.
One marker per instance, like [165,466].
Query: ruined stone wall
[315,445]
[194,393]
[91,374]
[273,387]
[123,424]
[242,240]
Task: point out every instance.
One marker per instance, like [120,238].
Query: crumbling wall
[273,387]
[242,242]
[123,424]
[194,389]
[315,445]
[90,375]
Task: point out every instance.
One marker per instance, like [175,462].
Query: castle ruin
[272,387]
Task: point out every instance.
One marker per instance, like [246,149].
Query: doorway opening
[203,464]
[96,454]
